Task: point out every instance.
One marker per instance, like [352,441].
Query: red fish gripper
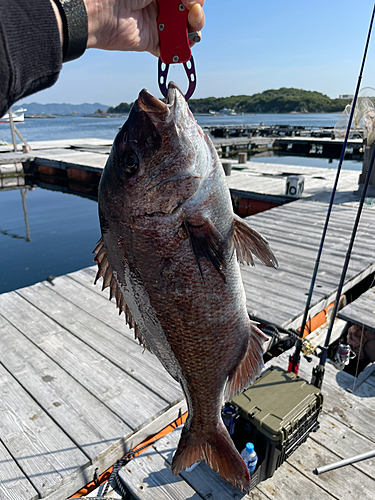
[174,43]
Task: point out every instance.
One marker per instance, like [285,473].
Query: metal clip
[194,37]
[190,72]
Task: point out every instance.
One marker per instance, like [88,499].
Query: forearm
[30,49]
[93,21]
[122,24]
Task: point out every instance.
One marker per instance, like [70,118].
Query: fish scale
[169,250]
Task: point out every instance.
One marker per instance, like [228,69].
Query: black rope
[114,476]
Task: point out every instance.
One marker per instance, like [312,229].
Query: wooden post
[242,157]
[12,129]
[227,166]
[368,152]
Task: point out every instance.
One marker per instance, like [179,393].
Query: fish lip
[157,110]
[154,107]
[174,96]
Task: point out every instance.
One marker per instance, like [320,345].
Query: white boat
[226,111]
[18,116]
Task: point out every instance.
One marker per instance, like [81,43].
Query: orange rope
[149,441]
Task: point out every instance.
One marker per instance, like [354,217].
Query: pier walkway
[294,231]
[77,391]
[347,428]
[361,311]
[66,162]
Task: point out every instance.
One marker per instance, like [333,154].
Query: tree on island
[283,100]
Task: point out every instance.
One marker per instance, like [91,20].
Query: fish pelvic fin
[250,366]
[247,241]
[109,280]
[217,450]
[206,242]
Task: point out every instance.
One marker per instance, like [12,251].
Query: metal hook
[190,72]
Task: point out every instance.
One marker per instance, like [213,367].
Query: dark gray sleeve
[30,49]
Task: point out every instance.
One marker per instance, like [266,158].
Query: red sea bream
[169,252]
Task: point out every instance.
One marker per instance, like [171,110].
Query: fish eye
[130,162]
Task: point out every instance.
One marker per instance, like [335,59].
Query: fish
[169,253]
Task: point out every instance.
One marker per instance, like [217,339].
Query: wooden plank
[14,485]
[139,364]
[148,478]
[311,455]
[64,159]
[93,300]
[280,287]
[67,143]
[90,424]
[268,178]
[288,483]
[202,479]
[344,442]
[44,452]
[131,401]
[135,439]
[361,310]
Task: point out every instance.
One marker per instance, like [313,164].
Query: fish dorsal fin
[247,241]
[109,280]
[206,241]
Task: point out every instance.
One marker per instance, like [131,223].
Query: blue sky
[248,46]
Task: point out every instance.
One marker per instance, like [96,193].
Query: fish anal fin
[217,450]
[109,280]
[207,242]
[247,241]
[250,366]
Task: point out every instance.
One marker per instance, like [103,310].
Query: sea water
[53,233]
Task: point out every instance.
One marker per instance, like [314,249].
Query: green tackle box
[277,413]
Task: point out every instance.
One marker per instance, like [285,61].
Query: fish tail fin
[217,450]
[250,366]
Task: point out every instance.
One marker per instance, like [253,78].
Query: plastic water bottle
[250,457]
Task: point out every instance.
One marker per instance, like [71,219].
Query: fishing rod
[318,371]
[295,358]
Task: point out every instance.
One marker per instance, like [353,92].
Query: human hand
[131,24]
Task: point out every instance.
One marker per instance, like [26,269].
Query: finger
[189,3]
[196,18]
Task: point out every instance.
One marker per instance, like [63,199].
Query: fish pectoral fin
[247,241]
[250,366]
[105,272]
[207,242]
[216,449]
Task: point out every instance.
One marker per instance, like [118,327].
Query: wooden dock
[77,391]
[361,311]
[347,428]
[258,180]
[293,231]
[75,163]
[89,152]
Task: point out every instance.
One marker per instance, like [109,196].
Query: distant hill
[61,109]
[123,107]
[283,100]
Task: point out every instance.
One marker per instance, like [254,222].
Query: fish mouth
[157,110]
